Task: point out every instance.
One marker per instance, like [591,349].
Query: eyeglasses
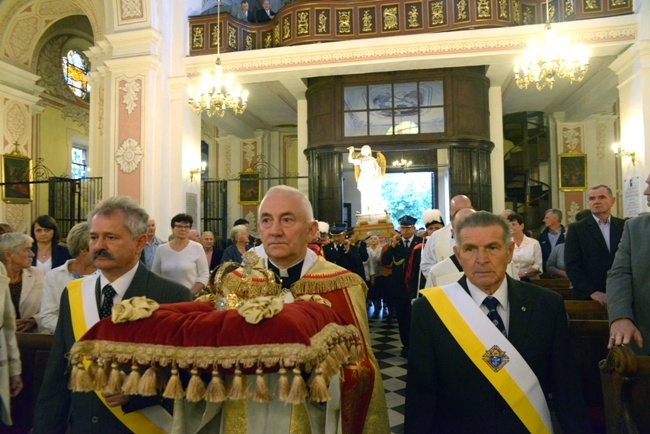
[179,226]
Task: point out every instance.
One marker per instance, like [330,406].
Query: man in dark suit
[591,245]
[552,235]
[117,236]
[341,252]
[460,351]
[398,254]
[265,14]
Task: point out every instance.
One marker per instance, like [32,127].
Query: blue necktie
[491,303]
[106,308]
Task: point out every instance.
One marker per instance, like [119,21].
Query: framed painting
[572,170]
[16,170]
[249,187]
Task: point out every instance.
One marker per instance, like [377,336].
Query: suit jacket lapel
[595,232]
[520,313]
[139,284]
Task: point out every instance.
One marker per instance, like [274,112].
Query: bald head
[459,202]
[461,214]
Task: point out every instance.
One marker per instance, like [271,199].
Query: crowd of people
[462,293]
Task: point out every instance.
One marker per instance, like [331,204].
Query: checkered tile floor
[384,336]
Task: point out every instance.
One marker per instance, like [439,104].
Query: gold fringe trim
[327,282]
[330,349]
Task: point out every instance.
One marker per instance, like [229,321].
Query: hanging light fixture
[402,163]
[216,93]
[556,58]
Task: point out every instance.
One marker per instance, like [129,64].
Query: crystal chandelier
[402,163]
[556,58]
[216,93]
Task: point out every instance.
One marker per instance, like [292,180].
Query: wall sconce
[198,171]
[619,152]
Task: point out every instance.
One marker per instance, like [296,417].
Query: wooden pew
[34,351]
[561,286]
[626,387]
[589,330]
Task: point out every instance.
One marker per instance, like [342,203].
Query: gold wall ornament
[591,5]
[249,42]
[215,38]
[198,37]
[232,37]
[391,21]
[483,9]
[618,3]
[569,8]
[268,40]
[344,18]
[322,23]
[503,9]
[413,16]
[276,34]
[286,27]
[461,10]
[303,23]
[366,21]
[528,15]
[437,13]
[516,12]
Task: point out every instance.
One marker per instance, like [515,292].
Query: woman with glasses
[182,260]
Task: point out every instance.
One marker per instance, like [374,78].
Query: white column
[496,157]
[303,164]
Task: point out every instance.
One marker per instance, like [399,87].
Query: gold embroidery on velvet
[236,416]
[299,420]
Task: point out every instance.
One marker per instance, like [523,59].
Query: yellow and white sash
[84,314]
[493,355]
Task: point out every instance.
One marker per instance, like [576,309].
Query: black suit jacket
[446,393]
[545,244]
[350,261]
[60,254]
[399,257]
[262,17]
[57,405]
[586,256]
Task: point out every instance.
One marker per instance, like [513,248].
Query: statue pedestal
[372,224]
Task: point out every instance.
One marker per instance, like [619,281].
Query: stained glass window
[75,73]
[79,168]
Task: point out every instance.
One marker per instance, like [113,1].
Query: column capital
[19,84]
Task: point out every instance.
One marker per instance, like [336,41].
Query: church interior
[96,101]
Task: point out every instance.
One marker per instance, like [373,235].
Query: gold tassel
[331,367]
[261,392]
[283,385]
[148,382]
[237,388]
[196,387]
[92,369]
[318,390]
[115,380]
[174,389]
[298,391]
[100,376]
[341,356]
[130,386]
[216,391]
[83,380]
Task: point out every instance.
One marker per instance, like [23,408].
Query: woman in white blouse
[527,256]
[182,260]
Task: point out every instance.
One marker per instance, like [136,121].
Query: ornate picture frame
[572,171]
[249,187]
[16,175]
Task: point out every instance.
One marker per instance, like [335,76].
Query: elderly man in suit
[628,285]
[591,245]
[117,229]
[488,351]
[265,14]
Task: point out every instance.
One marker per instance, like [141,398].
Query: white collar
[122,283]
[500,294]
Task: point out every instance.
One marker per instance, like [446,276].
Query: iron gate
[70,200]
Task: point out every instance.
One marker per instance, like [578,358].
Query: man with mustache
[117,229]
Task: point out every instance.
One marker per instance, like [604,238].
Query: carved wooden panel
[324,21]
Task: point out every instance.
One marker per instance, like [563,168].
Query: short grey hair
[556,212]
[483,219]
[11,241]
[136,217]
[78,239]
[304,202]
[236,231]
